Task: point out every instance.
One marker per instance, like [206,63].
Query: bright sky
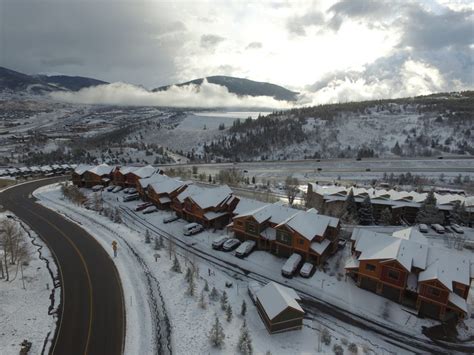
[330,49]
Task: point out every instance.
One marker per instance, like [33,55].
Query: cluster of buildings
[403,267]
[32,171]
[403,205]
[399,266]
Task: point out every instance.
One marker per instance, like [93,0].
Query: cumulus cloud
[297,24]
[210,41]
[204,96]
[254,45]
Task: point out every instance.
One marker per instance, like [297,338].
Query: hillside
[73,83]
[242,87]
[432,125]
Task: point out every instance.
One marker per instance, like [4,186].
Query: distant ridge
[73,83]
[241,87]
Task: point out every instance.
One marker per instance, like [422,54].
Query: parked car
[291,265]
[192,228]
[307,270]
[142,206]
[97,188]
[110,188]
[219,242]
[341,243]
[125,190]
[438,228]
[231,244]
[423,228]
[131,190]
[117,189]
[131,198]
[455,227]
[170,219]
[150,209]
[245,249]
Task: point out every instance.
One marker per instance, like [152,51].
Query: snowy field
[328,286]
[27,312]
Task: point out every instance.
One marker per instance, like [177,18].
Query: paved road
[92,312]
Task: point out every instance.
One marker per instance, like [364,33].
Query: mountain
[73,83]
[14,81]
[11,80]
[242,87]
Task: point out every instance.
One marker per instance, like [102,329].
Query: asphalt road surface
[92,311]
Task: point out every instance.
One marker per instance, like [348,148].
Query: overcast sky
[329,49]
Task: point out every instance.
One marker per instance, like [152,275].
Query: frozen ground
[29,313]
[189,323]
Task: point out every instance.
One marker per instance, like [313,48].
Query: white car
[170,219]
[457,228]
[117,189]
[291,265]
[131,190]
[219,242]
[231,244]
[97,188]
[110,188]
[438,228]
[307,270]
[192,228]
[423,228]
[245,249]
[150,209]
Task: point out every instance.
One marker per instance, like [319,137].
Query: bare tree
[291,188]
[14,246]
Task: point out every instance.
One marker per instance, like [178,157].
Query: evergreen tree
[210,178]
[176,266]
[350,209]
[162,242]
[147,237]
[117,215]
[429,212]
[157,244]
[243,309]
[191,286]
[202,301]
[224,300]
[216,335]
[214,295]
[228,313]
[245,341]
[206,286]
[189,274]
[459,214]
[396,149]
[386,217]
[366,212]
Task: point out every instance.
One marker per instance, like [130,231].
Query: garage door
[368,284]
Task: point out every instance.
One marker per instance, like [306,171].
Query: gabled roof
[102,169]
[190,191]
[82,168]
[152,179]
[212,197]
[166,185]
[246,205]
[310,224]
[144,171]
[276,298]
[127,169]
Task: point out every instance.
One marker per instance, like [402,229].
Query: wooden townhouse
[403,267]
[210,207]
[77,175]
[128,176]
[119,173]
[162,192]
[98,175]
[177,203]
[283,230]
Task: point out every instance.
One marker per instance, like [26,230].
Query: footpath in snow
[29,302]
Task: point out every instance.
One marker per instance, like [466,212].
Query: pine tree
[350,209]
[147,237]
[117,215]
[188,275]
[386,217]
[243,309]
[157,244]
[224,300]
[396,149]
[176,266]
[228,313]
[162,242]
[206,286]
[366,212]
[459,214]
[214,296]
[245,341]
[191,286]
[429,212]
[216,335]
[202,301]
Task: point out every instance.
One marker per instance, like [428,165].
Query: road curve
[92,311]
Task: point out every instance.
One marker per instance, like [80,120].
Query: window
[283,237]
[301,241]
[370,267]
[239,223]
[434,291]
[459,291]
[251,228]
[393,274]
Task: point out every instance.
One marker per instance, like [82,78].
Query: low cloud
[210,41]
[254,45]
[206,95]
[297,25]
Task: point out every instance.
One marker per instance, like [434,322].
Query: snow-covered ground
[189,323]
[30,312]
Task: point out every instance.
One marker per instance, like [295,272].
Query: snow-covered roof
[276,298]
[151,180]
[213,215]
[190,191]
[212,197]
[166,185]
[127,169]
[458,301]
[320,248]
[164,199]
[144,171]
[102,169]
[269,233]
[412,282]
[82,168]
[246,205]
[352,263]
[309,224]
